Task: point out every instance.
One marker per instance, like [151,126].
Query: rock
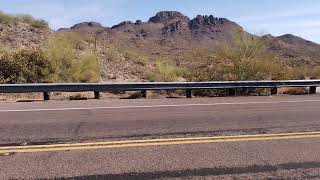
[167,16]
[201,21]
[173,27]
[138,22]
[86,25]
[124,23]
[24,144]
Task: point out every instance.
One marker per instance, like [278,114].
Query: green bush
[86,68]
[60,50]
[36,23]
[58,62]
[166,72]
[68,65]
[248,59]
[25,66]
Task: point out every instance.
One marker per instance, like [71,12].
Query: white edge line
[155,106]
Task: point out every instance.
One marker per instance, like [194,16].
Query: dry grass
[23,18]
[293,91]
[21,97]
[78,97]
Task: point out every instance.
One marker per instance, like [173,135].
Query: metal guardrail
[144,86]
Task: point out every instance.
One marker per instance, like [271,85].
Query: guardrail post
[144,93]
[274,91]
[46,96]
[189,93]
[96,95]
[232,92]
[313,90]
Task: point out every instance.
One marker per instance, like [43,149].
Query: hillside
[295,51]
[165,33]
[129,50]
[22,35]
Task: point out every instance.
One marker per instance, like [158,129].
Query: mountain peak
[292,39]
[201,21]
[167,16]
[289,37]
[124,23]
[91,24]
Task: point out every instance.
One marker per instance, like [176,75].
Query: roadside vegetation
[247,59]
[58,61]
[25,66]
[165,71]
[22,18]
[67,57]
[136,58]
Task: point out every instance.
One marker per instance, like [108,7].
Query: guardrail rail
[97,88]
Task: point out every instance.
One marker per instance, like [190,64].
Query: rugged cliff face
[174,26]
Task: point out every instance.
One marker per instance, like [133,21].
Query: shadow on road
[203,172]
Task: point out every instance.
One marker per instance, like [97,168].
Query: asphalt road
[114,120]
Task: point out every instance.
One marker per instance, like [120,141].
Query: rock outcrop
[87,25]
[168,16]
[124,23]
[201,21]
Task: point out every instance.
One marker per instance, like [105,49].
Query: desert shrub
[314,73]
[166,72]
[248,59]
[304,72]
[298,73]
[5,18]
[86,68]
[136,58]
[75,38]
[59,61]
[60,51]
[113,54]
[25,66]
[37,23]
[67,64]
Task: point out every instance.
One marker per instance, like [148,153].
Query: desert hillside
[169,42]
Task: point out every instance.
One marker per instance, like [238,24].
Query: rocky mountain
[295,50]
[167,28]
[168,34]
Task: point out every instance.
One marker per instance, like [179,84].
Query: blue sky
[277,17]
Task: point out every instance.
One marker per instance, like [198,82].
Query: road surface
[205,138]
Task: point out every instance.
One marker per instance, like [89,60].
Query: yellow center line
[156,142]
